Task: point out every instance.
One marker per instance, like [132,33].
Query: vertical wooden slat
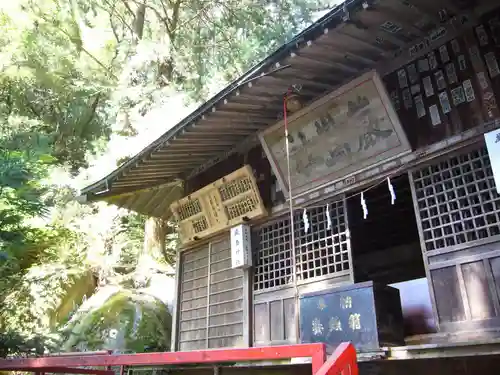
[448,295]
[247,307]
[208,290]
[175,314]
[289,308]
[276,316]
[495,269]
[260,323]
[348,240]
[463,292]
[268,321]
[193,299]
[226,319]
[418,219]
[492,285]
[283,319]
[477,289]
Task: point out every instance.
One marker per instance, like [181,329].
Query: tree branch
[8,100]
[119,16]
[32,109]
[205,18]
[81,47]
[175,19]
[93,109]
[198,14]
[113,24]
[125,3]
[161,18]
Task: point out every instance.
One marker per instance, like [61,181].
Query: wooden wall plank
[211,311]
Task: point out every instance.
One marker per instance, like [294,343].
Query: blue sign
[337,317]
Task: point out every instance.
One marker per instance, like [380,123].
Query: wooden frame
[175,314]
[219,206]
[281,297]
[335,204]
[245,310]
[354,111]
[480,251]
[247,307]
[435,314]
[209,275]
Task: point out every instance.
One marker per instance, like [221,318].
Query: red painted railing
[342,362]
[343,358]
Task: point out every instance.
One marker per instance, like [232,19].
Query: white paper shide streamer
[391,190]
[305,219]
[363,206]
[328,218]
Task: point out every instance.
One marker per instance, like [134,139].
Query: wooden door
[211,308]
[458,214]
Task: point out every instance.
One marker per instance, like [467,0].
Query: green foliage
[193,46]
[15,344]
[41,295]
[21,198]
[23,247]
[46,80]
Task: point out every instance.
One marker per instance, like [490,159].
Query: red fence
[342,361]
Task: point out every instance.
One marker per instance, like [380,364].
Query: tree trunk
[138,28]
[140,16]
[155,231]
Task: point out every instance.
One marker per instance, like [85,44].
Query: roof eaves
[336,16]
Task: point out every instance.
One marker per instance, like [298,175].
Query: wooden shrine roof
[353,38]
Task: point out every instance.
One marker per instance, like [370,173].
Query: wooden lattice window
[320,251]
[457,200]
[274,256]
[211,299]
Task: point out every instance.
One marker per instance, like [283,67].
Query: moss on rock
[127,321]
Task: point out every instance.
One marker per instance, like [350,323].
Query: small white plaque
[241,247]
